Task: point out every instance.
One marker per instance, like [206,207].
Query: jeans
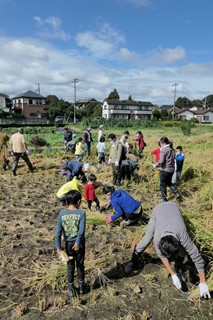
[165,181]
[78,259]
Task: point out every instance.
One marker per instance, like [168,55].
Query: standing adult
[115,158]
[19,150]
[88,139]
[100,132]
[172,242]
[167,165]
[67,137]
[141,144]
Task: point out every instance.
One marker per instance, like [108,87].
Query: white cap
[86,166]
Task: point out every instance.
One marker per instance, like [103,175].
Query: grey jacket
[167,159]
[166,220]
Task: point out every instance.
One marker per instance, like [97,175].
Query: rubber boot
[71,290]
[81,287]
[133,264]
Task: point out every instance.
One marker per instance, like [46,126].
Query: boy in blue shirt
[179,160]
[71,223]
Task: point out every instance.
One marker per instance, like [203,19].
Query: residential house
[127,109]
[202,115]
[3,102]
[80,104]
[31,105]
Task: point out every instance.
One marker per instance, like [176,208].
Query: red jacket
[157,154]
[140,141]
[89,192]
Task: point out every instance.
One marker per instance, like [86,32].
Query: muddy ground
[28,218]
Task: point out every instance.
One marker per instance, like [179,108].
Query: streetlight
[173,113]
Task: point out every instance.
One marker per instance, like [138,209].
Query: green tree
[183,103]
[197,103]
[97,111]
[156,114]
[130,98]
[114,95]
[208,101]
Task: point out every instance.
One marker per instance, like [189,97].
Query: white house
[203,115]
[3,105]
[127,109]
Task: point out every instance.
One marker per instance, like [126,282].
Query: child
[179,160]
[141,144]
[89,191]
[74,184]
[79,151]
[72,222]
[101,147]
[156,152]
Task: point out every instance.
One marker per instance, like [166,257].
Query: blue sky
[139,47]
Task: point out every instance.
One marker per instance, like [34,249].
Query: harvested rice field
[33,282]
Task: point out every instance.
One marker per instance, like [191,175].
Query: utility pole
[173,112]
[38,88]
[74,105]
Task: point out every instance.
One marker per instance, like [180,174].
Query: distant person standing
[88,139]
[100,132]
[67,137]
[115,158]
[141,144]
[19,150]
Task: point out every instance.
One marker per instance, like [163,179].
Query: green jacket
[115,152]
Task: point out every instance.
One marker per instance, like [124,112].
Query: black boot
[81,287]
[134,263]
[71,290]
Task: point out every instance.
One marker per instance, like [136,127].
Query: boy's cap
[86,166]
[88,129]
[101,126]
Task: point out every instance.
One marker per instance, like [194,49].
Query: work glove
[204,290]
[176,281]
[154,165]
[116,163]
[108,219]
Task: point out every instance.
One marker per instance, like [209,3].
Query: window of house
[30,101]
[33,114]
[206,118]
[43,115]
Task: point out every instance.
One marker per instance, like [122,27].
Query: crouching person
[71,223]
[126,207]
[166,226]
[74,184]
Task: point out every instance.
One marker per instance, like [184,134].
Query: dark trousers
[132,216]
[165,181]
[96,201]
[88,147]
[24,156]
[116,174]
[78,259]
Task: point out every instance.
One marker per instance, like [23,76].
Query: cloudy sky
[140,47]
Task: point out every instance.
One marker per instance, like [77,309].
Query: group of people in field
[166,225]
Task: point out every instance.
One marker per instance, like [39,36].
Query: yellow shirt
[74,184]
[79,148]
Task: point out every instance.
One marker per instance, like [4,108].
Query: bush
[39,142]
[186,128]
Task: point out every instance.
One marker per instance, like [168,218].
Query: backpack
[123,153]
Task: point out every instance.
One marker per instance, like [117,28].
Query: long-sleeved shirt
[79,148]
[167,220]
[122,202]
[115,152]
[89,192]
[101,147]
[167,159]
[156,152]
[72,224]
[74,184]
[140,141]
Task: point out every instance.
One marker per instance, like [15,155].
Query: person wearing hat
[87,137]
[100,132]
[19,150]
[74,168]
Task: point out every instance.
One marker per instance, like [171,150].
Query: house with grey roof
[127,109]
[3,102]
[31,105]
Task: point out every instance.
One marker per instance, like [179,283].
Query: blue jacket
[72,224]
[122,202]
[71,169]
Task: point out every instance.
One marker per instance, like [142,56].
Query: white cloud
[137,3]
[169,55]
[205,69]
[100,43]
[126,54]
[51,28]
